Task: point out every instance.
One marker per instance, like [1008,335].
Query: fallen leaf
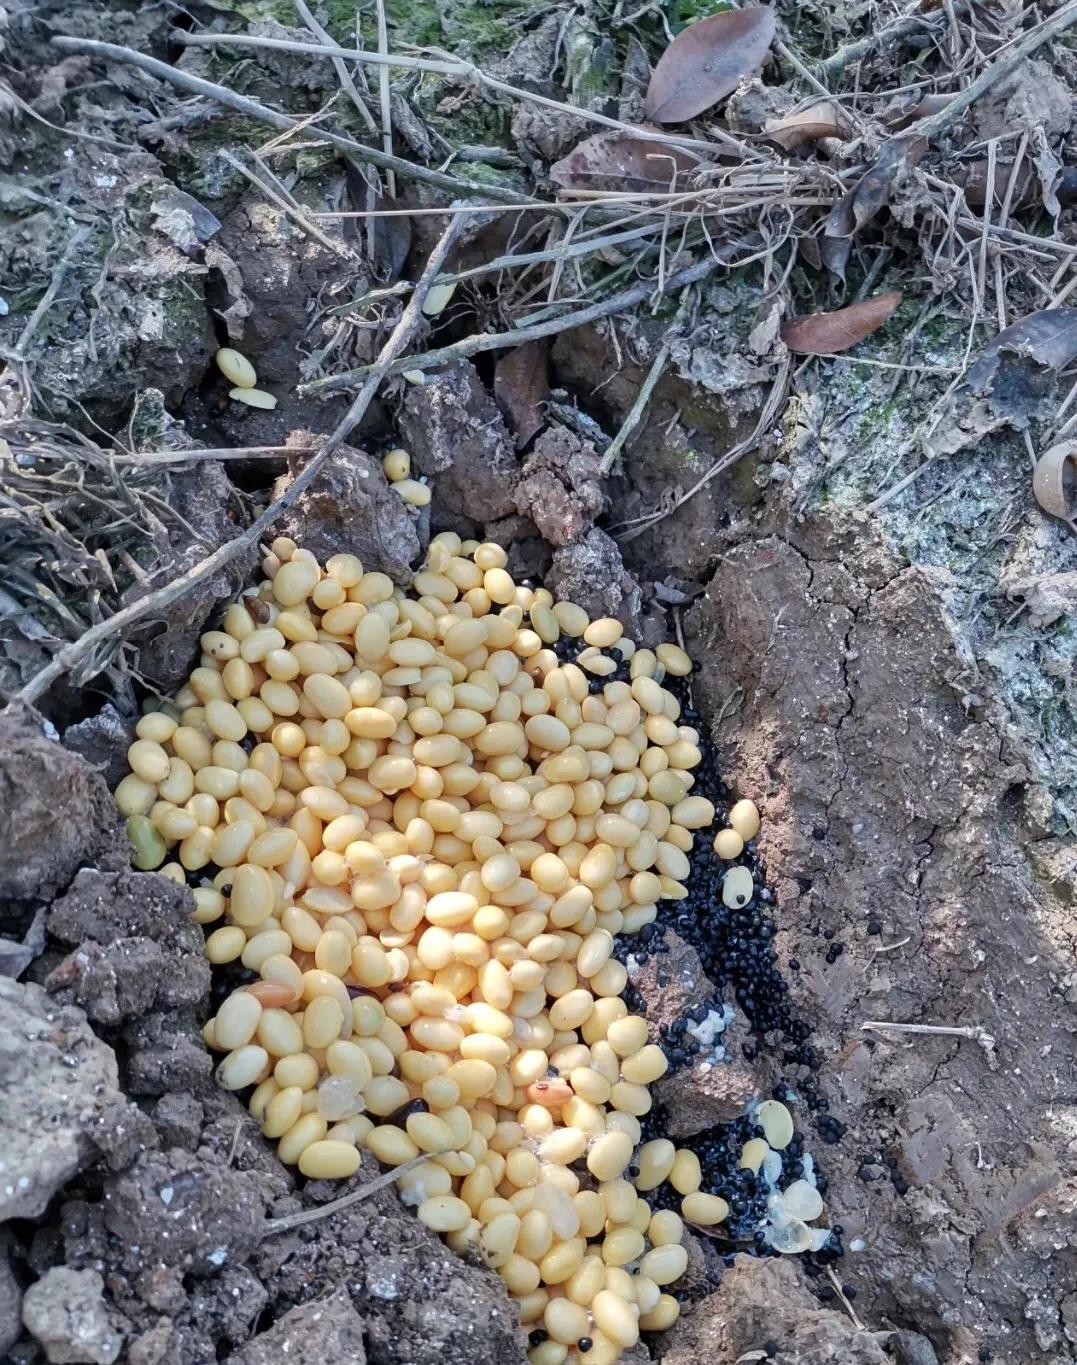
[520,384]
[1054,482]
[1013,383]
[1048,337]
[623,163]
[872,191]
[707,61]
[858,206]
[820,120]
[830,333]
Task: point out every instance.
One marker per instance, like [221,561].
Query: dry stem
[465,71]
[367,1191]
[401,334]
[496,341]
[242,104]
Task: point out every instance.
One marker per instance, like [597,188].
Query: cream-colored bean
[744,818]
[444,1213]
[664,1264]
[225,945]
[704,1209]
[615,1318]
[609,1155]
[242,1067]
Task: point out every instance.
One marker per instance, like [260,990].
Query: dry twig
[636,411]
[468,72]
[346,1201]
[496,341]
[70,654]
[289,210]
[243,104]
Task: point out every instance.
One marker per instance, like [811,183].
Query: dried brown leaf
[1054,482]
[707,61]
[872,192]
[914,109]
[521,383]
[623,163]
[824,119]
[831,333]
[1048,337]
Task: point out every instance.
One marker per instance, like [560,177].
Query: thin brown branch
[771,409]
[152,457]
[468,72]
[384,93]
[346,1201]
[343,74]
[297,216]
[496,341]
[401,334]
[243,104]
[934,124]
[885,37]
[636,411]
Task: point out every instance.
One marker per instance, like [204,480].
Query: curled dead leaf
[1048,337]
[831,333]
[911,110]
[823,119]
[521,383]
[1054,482]
[872,191]
[707,61]
[614,164]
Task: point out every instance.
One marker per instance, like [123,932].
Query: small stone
[65,1312]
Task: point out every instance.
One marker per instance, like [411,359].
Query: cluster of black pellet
[736,948]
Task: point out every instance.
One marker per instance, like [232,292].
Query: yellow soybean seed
[655,1161]
[622,1245]
[662,1316]
[236,368]
[615,1318]
[391,1145]
[686,1174]
[237,1020]
[329,1160]
[744,818]
[664,1264]
[225,945]
[646,1065]
[429,1133]
[565,1321]
[444,1213]
[396,464]
[242,1067]
[303,1133]
[609,1155]
[728,844]
[704,1209]
[665,1228]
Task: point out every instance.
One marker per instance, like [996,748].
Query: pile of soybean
[420,827]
